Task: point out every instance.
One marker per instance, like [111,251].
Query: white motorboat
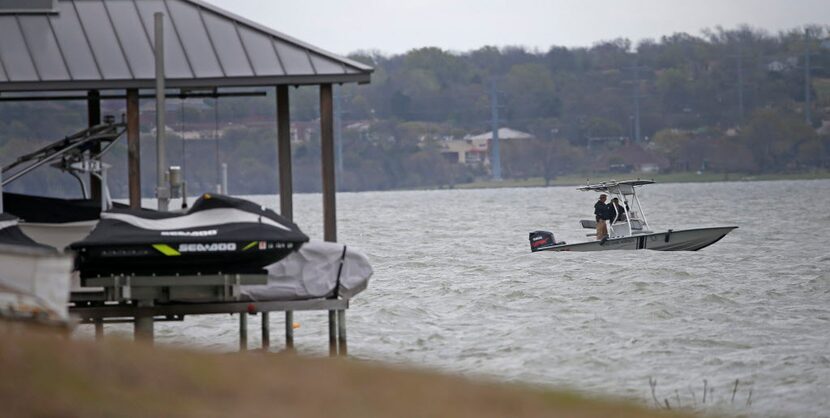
[630,229]
[59,222]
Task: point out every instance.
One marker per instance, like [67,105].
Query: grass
[684,177]
[51,376]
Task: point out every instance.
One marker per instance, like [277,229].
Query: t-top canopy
[613,186]
[108,44]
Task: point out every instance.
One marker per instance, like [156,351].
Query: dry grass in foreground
[48,376]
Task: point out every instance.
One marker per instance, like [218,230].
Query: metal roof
[504,133]
[614,185]
[108,44]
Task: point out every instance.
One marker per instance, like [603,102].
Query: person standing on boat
[601,212]
[616,211]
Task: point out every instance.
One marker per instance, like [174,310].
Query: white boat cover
[34,278]
[312,272]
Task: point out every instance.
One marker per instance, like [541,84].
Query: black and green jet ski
[218,235]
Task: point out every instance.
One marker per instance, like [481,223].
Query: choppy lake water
[456,289]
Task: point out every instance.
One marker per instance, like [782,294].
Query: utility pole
[636,103]
[740,85]
[495,155]
[637,96]
[807,82]
[635,69]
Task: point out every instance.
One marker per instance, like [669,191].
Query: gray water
[456,289]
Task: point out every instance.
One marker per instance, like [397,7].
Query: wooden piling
[133,149]
[266,330]
[243,331]
[342,346]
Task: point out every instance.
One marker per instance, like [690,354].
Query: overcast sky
[396,26]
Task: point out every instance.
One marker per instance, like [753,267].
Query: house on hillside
[475,149]
[466,151]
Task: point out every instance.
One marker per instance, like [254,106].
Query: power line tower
[636,80]
[740,84]
[495,153]
[807,81]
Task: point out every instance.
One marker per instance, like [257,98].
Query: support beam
[133,149]
[243,331]
[266,330]
[284,153]
[93,108]
[143,330]
[332,333]
[342,346]
[99,329]
[327,151]
[286,183]
[289,330]
[162,191]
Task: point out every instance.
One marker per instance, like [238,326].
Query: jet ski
[217,235]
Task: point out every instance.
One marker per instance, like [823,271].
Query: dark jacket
[601,211]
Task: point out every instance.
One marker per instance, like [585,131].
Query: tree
[774,138]
[672,144]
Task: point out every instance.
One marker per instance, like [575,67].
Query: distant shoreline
[685,177]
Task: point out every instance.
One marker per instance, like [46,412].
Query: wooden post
[284,153]
[93,108]
[266,330]
[332,333]
[286,183]
[342,347]
[99,329]
[329,206]
[289,330]
[133,149]
[144,324]
[243,331]
[327,151]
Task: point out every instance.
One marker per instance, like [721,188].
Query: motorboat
[630,230]
[54,221]
[217,235]
[34,278]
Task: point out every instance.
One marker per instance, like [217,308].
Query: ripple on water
[465,295]
[718,299]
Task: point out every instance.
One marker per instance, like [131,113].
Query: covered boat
[218,235]
[629,229]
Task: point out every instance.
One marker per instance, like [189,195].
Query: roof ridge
[274,33]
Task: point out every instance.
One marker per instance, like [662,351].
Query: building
[475,149]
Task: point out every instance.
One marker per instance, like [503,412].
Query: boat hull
[58,235]
[671,240]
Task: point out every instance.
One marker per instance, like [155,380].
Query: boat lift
[144,300]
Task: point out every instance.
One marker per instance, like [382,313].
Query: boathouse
[96,50]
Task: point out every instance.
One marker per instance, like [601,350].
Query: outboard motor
[542,240]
